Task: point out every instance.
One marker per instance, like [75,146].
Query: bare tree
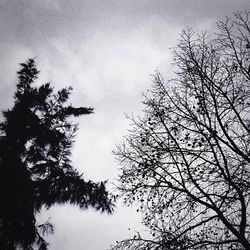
[187,160]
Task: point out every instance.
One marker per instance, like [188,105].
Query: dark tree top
[36,170]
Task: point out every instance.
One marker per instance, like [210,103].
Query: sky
[107,50]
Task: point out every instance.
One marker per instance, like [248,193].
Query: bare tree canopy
[36,170]
[187,159]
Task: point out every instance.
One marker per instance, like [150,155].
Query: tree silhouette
[186,161]
[36,171]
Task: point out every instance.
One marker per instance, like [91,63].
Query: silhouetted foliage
[36,171]
[187,160]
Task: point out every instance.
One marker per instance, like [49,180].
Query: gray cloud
[32,22]
[107,51]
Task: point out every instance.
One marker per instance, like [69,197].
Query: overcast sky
[106,50]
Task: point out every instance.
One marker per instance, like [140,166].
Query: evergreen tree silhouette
[36,171]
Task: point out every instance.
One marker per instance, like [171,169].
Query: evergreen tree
[36,171]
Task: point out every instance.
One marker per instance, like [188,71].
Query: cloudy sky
[107,50]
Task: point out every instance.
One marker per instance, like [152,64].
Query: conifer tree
[36,171]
